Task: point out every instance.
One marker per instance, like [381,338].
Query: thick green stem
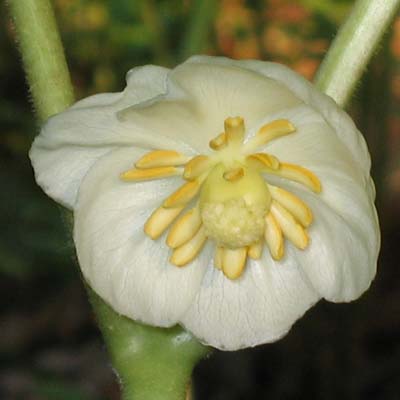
[201,18]
[152,363]
[353,47]
[42,55]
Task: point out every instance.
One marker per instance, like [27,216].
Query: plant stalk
[353,47]
[201,19]
[42,55]
[152,363]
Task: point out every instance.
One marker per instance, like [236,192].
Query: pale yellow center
[232,204]
[233,212]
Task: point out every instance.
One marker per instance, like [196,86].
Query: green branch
[353,47]
[152,363]
[42,55]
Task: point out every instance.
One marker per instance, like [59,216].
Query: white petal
[314,143]
[341,258]
[342,124]
[222,91]
[127,269]
[72,141]
[200,97]
[259,307]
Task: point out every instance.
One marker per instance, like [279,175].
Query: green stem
[353,47]
[152,363]
[42,55]
[201,18]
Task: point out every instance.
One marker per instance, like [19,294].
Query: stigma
[226,199]
[233,206]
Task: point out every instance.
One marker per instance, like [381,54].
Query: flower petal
[314,143]
[344,238]
[222,91]
[201,96]
[71,142]
[339,120]
[259,307]
[80,154]
[127,269]
[347,195]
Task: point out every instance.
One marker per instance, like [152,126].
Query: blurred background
[50,347]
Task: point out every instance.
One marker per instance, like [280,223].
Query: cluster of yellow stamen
[229,200]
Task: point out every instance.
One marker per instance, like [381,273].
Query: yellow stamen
[234,174]
[293,204]
[161,158]
[195,167]
[262,161]
[290,228]
[219,142]
[298,174]
[183,195]
[160,220]
[188,251]
[234,128]
[268,132]
[255,250]
[219,253]
[184,228]
[149,174]
[236,207]
[233,262]
[273,237]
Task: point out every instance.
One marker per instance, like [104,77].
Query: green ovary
[233,212]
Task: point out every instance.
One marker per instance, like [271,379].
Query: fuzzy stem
[152,363]
[42,55]
[353,47]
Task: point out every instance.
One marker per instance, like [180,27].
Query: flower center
[232,204]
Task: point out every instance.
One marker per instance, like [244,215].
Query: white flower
[234,235]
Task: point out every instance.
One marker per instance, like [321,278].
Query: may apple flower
[226,196]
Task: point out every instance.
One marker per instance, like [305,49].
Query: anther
[273,237]
[298,174]
[189,250]
[183,195]
[262,161]
[161,158]
[160,220]
[219,142]
[184,228]
[138,175]
[255,250]
[268,132]
[290,228]
[234,174]
[233,262]
[293,204]
[195,167]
